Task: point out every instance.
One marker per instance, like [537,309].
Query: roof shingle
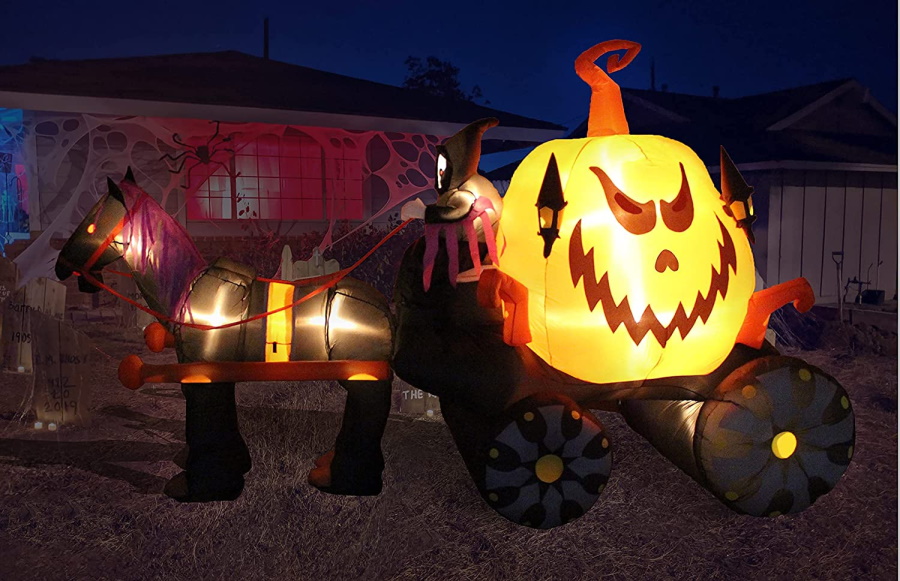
[241,80]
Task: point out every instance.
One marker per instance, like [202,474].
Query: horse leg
[217,455]
[354,465]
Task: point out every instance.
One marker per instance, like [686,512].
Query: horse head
[94,244]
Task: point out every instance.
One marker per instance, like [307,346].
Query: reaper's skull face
[650,277]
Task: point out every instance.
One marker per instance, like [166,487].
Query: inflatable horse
[226,324]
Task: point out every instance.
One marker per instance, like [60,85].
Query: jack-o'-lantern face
[649,276]
[638,267]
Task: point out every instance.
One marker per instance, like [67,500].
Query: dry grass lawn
[86,503]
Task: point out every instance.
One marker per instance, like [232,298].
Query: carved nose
[666,260]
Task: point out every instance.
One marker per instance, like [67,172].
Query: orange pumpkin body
[650,276]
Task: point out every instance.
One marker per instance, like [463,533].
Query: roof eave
[235,114]
[812,107]
[810,166]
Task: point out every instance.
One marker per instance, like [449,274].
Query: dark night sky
[520,53]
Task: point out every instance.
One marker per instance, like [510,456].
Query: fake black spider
[201,154]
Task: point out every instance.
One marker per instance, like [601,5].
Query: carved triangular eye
[634,216]
[679,213]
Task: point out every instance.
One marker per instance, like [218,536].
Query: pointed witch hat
[462,153]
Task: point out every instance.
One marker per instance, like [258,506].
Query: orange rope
[328,280]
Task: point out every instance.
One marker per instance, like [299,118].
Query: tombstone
[414,401]
[62,360]
[40,295]
[8,277]
[315,266]
[131,316]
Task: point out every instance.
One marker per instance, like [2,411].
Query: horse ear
[114,191]
[129,177]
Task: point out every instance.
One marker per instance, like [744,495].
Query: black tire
[777,434]
[547,464]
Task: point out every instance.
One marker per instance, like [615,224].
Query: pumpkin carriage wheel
[776,435]
[548,463]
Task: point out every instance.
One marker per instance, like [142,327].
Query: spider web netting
[73,154]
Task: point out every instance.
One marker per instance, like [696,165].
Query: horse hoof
[351,480]
[179,488]
[778,434]
[548,464]
[325,459]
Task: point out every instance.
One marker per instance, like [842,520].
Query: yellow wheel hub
[549,468]
[784,445]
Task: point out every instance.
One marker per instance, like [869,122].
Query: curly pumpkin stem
[607,116]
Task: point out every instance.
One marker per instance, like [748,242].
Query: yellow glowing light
[634,273]
[280,325]
[549,468]
[334,322]
[195,379]
[214,319]
[805,375]
[91,228]
[362,377]
[784,445]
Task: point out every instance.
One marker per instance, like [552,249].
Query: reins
[325,281]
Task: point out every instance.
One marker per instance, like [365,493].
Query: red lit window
[343,181]
[285,177]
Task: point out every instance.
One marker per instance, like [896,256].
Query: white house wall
[814,213]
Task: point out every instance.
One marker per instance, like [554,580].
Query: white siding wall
[814,213]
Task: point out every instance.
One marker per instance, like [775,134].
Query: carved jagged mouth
[581,264]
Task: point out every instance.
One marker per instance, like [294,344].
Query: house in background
[223,138]
[823,162]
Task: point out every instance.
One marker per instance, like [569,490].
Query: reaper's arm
[496,289]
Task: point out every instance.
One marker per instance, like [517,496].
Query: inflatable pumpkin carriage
[626,283]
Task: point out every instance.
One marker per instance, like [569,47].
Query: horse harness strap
[110,237]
